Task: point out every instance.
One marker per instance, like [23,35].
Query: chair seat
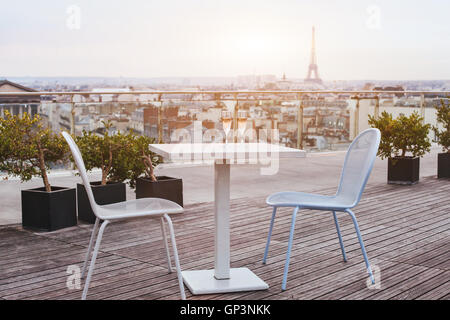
[307,200]
[139,208]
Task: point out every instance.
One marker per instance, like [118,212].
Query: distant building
[255,81]
[284,83]
[142,118]
[396,107]
[111,97]
[368,86]
[391,88]
[17,104]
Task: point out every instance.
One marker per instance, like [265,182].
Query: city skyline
[405,40]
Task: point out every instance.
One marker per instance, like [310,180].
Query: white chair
[357,167]
[147,207]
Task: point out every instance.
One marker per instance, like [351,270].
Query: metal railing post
[235,120]
[377,107]
[159,122]
[72,117]
[356,119]
[218,97]
[300,123]
[422,106]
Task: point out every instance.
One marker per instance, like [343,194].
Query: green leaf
[28,148]
[403,136]
[443,118]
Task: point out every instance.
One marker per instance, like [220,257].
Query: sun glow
[253,45]
[252,51]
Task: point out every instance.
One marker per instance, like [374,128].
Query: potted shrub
[443,138]
[403,141]
[28,150]
[102,152]
[142,177]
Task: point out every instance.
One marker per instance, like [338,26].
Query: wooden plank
[426,288]
[58,282]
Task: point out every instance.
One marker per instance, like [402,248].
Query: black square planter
[165,188]
[49,211]
[107,194]
[403,170]
[444,165]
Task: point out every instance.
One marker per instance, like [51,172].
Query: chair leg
[91,242]
[336,222]
[94,257]
[166,246]
[175,254]
[288,253]
[369,269]
[266,251]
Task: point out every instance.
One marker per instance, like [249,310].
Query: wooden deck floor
[406,230]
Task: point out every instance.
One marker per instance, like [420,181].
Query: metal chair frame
[343,201]
[101,213]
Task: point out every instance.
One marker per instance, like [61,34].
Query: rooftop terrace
[409,245]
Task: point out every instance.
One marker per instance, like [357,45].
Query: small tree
[136,160]
[443,117]
[105,152]
[28,148]
[5,152]
[385,124]
[402,136]
[148,160]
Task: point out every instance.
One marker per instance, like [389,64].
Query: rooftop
[408,245]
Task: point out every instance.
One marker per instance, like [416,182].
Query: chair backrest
[82,170]
[358,164]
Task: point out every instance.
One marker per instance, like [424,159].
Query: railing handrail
[298,92]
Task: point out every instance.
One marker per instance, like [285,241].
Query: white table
[223,278]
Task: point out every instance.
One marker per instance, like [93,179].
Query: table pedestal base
[204,282]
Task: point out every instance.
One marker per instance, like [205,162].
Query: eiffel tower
[313,63]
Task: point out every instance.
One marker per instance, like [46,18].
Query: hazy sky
[359,39]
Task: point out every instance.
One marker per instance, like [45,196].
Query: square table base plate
[241,279]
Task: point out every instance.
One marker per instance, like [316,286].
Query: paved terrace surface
[406,230]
